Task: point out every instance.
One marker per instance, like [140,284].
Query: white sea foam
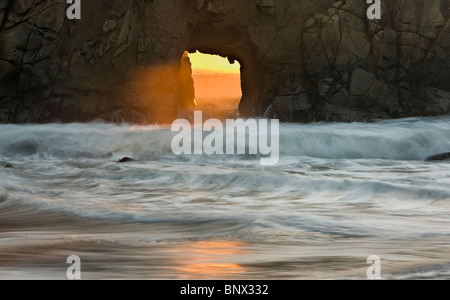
[408,139]
[339,190]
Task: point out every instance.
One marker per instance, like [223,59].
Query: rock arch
[231,44]
[303,60]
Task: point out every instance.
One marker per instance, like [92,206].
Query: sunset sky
[217,84]
[215,78]
[202,63]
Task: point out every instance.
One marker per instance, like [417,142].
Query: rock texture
[125,159]
[302,60]
[439,157]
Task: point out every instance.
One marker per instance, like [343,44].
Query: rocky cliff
[302,60]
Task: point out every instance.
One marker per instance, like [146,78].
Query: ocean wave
[408,139]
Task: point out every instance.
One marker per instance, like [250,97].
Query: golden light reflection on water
[212,259]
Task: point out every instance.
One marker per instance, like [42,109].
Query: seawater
[339,193]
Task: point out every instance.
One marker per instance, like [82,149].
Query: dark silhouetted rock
[439,157]
[125,159]
[122,61]
[9,166]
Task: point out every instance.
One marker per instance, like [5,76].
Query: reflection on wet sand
[211,259]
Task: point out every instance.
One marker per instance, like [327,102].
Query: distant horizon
[198,71]
[211,84]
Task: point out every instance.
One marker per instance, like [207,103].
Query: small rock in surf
[9,166]
[439,157]
[125,159]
